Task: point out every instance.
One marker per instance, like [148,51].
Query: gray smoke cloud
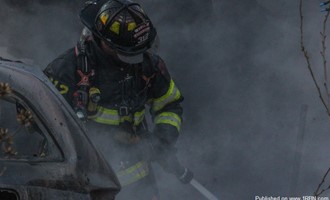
[244,78]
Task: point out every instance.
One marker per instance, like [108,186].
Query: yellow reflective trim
[106,116]
[130,169]
[133,174]
[136,178]
[168,121]
[131,26]
[138,117]
[140,113]
[171,95]
[169,118]
[108,111]
[168,93]
[177,95]
[169,114]
[106,121]
[104,18]
[111,117]
[111,121]
[115,27]
[126,118]
[64,88]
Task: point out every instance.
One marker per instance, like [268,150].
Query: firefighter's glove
[168,160]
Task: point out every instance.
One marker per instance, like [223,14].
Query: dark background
[245,81]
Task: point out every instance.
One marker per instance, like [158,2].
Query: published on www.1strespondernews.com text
[290,198]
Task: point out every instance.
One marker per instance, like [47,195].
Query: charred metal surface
[8,194]
[69,167]
[2,170]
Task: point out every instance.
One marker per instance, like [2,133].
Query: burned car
[44,150]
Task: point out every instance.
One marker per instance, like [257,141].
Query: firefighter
[110,78]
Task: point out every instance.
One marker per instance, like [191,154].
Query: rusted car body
[44,150]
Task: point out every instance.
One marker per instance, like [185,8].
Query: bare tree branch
[323,40]
[318,192]
[305,52]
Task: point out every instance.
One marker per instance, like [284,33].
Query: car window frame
[46,133]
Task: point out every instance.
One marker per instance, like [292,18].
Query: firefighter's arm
[166,111]
[60,73]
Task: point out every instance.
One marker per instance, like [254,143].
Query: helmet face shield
[131,59]
[122,25]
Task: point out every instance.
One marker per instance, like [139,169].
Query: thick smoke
[245,81]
